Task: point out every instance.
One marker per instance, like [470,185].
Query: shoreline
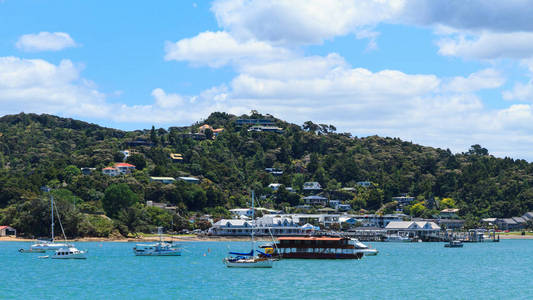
[191,238]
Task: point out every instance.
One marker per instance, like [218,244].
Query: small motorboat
[454,244]
[31,250]
[69,253]
[360,247]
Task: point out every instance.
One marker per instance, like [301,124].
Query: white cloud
[36,85]
[216,49]
[484,79]
[165,100]
[45,41]
[297,22]
[488,45]
[520,91]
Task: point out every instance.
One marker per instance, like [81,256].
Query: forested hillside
[39,150]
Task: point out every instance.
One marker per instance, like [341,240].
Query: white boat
[44,245]
[69,253]
[397,238]
[249,260]
[363,248]
[48,246]
[157,249]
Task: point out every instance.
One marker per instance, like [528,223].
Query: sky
[441,73]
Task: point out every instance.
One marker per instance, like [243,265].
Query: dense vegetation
[39,150]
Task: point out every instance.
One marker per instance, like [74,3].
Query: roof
[315,197]
[449,210]
[189,178]
[124,165]
[109,168]
[162,178]
[4,227]
[298,238]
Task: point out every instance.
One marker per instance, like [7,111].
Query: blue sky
[440,73]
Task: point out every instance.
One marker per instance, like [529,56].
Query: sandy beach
[202,238]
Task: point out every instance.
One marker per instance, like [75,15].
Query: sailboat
[47,245]
[249,260]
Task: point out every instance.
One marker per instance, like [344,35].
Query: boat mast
[253,221]
[52,210]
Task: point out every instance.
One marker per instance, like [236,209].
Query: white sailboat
[249,260]
[157,249]
[47,245]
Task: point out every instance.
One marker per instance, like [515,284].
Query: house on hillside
[8,231]
[316,200]
[118,169]
[364,183]
[403,200]
[176,157]
[165,180]
[312,186]
[449,213]
[87,171]
[190,179]
[110,171]
[124,168]
[216,132]
[274,171]
[265,129]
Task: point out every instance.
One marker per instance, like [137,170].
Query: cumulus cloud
[37,85]
[297,22]
[216,49]
[45,41]
[489,45]
[484,79]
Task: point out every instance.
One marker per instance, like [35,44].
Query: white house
[267,225]
[403,200]
[110,171]
[274,186]
[238,212]
[412,228]
[315,200]
[312,186]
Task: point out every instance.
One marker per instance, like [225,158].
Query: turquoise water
[401,271]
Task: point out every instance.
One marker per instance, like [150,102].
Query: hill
[38,150]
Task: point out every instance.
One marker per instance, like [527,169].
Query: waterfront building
[420,229]
[7,231]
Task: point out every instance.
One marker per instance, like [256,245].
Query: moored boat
[397,238]
[160,248]
[249,260]
[318,248]
[364,248]
[69,253]
[454,244]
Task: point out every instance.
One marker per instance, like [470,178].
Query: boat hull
[70,256]
[157,253]
[267,263]
[307,255]
[32,251]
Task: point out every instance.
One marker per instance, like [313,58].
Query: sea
[400,271]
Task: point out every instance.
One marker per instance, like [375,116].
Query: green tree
[137,160]
[118,197]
